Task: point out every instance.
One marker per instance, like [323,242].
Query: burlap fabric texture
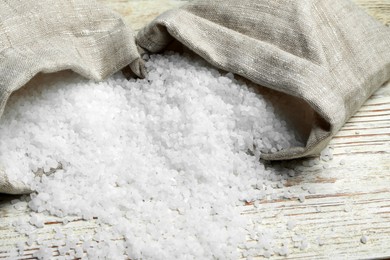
[49,36]
[329,53]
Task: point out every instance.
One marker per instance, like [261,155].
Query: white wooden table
[352,195]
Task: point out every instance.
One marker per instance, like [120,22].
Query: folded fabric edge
[318,140]
[159,34]
[12,187]
[21,82]
[23,69]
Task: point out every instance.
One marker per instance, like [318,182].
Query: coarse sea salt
[161,163]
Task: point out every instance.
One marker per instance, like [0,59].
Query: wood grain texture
[352,192]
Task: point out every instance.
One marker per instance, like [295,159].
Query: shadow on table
[5,199]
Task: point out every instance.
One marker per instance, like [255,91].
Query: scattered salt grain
[291,173]
[320,241]
[308,163]
[267,254]
[79,252]
[291,224]
[364,239]
[14,201]
[20,246]
[166,158]
[36,220]
[304,244]
[58,234]
[44,253]
[287,195]
[20,205]
[30,242]
[284,251]
[347,209]
[326,155]
[301,198]
[63,250]
[39,241]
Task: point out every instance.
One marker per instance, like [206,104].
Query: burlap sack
[48,36]
[329,53]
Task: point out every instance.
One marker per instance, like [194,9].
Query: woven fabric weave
[48,36]
[329,53]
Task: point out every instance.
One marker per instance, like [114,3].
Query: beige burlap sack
[329,53]
[49,36]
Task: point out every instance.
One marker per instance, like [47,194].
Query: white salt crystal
[29,242]
[320,241]
[44,253]
[43,196]
[36,221]
[291,224]
[59,235]
[39,241]
[78,252]
[62,251]
[166,157]
[14,201]
[267,254]
[306,163]
[46,168]
[364,239]
[304,244]
[16,223]
[20,205]
[20,246]
[301,198]
[291,173]
[284,251]
[287,195]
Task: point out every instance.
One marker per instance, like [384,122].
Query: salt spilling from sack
[160,163]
